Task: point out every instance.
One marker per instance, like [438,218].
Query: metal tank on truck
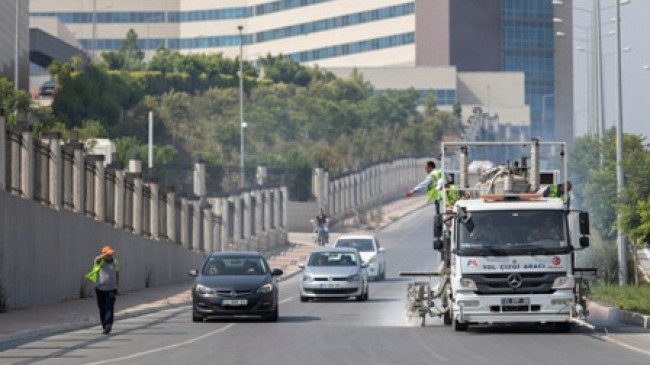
[507,251]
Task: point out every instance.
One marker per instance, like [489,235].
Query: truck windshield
[509,232]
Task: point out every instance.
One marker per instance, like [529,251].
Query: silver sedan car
[370,251]
[334,273]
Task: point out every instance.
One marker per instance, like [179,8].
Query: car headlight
[373,259]
[205,291]
[563,282]
[355,277]
[467,283]
[307,277]
[265,289]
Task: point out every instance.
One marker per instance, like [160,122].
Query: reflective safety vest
[93,275]
[432,191]
[554,192]
[452,195]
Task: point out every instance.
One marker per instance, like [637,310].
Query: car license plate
[515,301]
[234,302]
[329,286]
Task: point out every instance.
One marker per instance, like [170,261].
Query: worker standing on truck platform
[432,183]
[558,191]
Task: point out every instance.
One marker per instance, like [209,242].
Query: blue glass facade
[527,40]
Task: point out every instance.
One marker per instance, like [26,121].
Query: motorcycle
[321,234]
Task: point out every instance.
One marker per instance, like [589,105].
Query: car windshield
[235,265]
[502,231]
[361,244]
[332,259]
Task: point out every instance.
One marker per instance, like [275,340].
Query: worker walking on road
[432,183]
[106,275]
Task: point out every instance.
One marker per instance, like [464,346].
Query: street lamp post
[241,104]
[16,50]
[620,240]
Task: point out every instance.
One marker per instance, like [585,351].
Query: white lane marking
[139,354]
[611,338]
[287,299]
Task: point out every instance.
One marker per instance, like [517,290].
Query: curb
[602,315]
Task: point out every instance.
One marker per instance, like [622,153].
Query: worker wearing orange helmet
[107,280]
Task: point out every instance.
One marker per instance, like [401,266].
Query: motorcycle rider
[320,223]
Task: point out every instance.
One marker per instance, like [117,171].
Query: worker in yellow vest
[559,191]
[432,183]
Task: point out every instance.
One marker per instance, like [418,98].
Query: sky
[635,34]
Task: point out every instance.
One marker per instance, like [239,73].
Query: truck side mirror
[584,242]
[437,226]
[583,218]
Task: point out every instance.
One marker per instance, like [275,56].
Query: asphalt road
[327,332]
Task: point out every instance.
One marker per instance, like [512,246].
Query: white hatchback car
[370,251]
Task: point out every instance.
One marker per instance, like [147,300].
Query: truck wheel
[449,314]
[446,318]
[459,327]
[563,327]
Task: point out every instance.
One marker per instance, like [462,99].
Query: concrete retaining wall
[43,259]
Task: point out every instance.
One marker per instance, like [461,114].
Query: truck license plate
[515,301]
[234,302]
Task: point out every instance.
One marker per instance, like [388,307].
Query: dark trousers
[106,304]
[436,204]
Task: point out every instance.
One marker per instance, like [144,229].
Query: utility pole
[241,105]
[620,240]
[16,50]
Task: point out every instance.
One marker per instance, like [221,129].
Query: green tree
[12,100]
[133,55]
[96,94]
[129,57]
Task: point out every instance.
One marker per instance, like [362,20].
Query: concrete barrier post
[346,195]
[284,191]
[197,232]
[226,224]
[208,229]
[137,204]
[100,188]
[199,179]
[120,192]
[78,179]
[27,166]
[55,169]
[216,208]
[185,231]
[276,216]
[237,223]
[154,215]
[171,216]
[15,140]
[268,221]
[247,210]
[259,216]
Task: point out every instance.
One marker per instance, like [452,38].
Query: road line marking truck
[507,251]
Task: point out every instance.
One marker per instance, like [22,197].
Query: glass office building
[471,35]
[528,44]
